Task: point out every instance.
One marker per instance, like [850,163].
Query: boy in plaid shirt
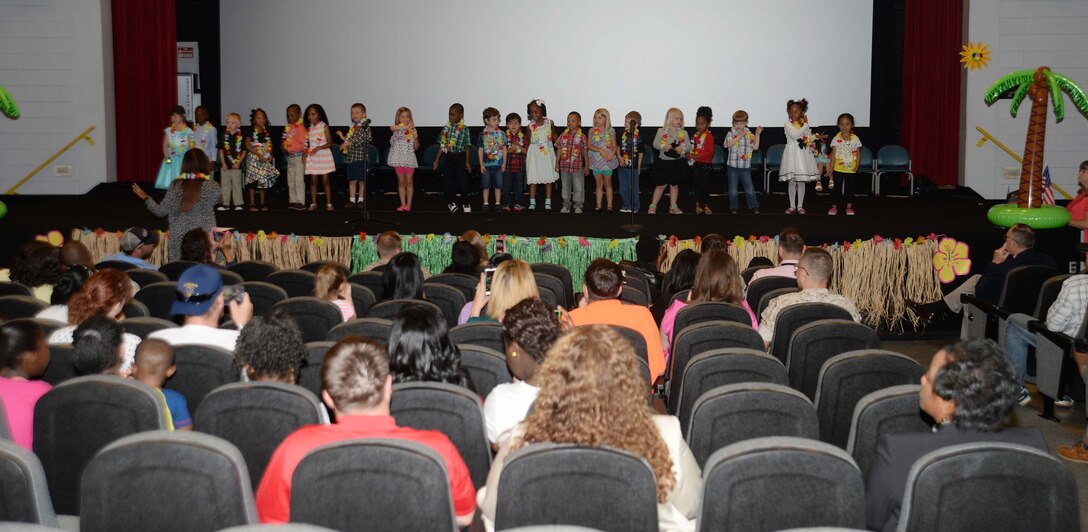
[355,146]
[513,179]
[453,143]
[570,162]
[741,142]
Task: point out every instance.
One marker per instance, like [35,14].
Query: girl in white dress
[798,164]
[540,161]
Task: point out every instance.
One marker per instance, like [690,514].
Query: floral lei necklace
[510,139]
[232,154]
[665,138]
[537,136]
[448,141]
[287,133]
[347,139]
[634,145]
[196,175]
[260,144]
[175,146]
[698,139]
[204,134]
[407,133]
[575,147]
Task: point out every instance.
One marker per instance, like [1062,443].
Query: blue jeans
[491,177]
[744,176]
[628,187]
[1017,340]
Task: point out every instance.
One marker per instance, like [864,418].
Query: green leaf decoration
[8,105]
[1006,82]
[1076,94]
[1055,95]
[1019,97]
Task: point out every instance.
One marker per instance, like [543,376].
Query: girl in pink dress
[319,162]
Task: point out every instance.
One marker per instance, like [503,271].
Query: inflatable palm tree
[1040,85]
[7,104]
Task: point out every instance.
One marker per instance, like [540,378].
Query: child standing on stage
[491,150]
[205,134]
[513,178]
[294,147]
[402,155]
[603,156]
[259,160]
[453,143]
[846,154]
[571,163]
[631,152]
[822,153]
[355,147]
[741,143]
[540,162]
[231,155]
[177,140]
[672,144]
[798,165]
[700,158]
[319,163]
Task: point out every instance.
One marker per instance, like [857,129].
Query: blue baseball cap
[196,291]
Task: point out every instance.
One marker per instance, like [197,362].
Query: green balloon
[3,210]
[1045,217]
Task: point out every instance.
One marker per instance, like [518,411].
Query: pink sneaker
[791,210]
[849,212]
[833,211]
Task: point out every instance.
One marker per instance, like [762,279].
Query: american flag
[1048,190]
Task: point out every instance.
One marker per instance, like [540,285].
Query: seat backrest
[563,274]
[761,286]
[1022,287]
[404,486]
[449,300]
[256,417]
[253,270]
[429,155]
[115,265]
[481,333]
[635,277]
[793,317]
[387,310]
[46,325]
[702,311]
[159,298]
[746,483]
[701,338]
[62,364]
[309,375]
[642,352]
[735,412]
[230,278]
[770,296]
[371,280]
[313,267]
[144,326]
[315,316]
[747,273]
[892,410]
[362,298]
[5,427]
[844,379]
[297,283]
[550,299]
[451,410]
[816,342]
[865,164]
[1041,488]
[1048,293]
[177,480]
[22,484]
[11,288]
[144,277]
[774,156]
[487,368]
[601,488]
[376,329]
[718,158]
[892,156]
[201,369]
[554,284]
[12,307]
[279,527]
[264,296]
[173,269]
[721,367]
[634,296]
[135,309]
[79,417]
[466,284]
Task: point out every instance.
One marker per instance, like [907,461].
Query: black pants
[700,175]
[454,177]
[844,188]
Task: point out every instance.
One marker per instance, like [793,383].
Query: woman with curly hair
[511,283]
[969,390]
[529,330]
[591,394]
[105,293]
[37,266]
[420,349]
[270,348]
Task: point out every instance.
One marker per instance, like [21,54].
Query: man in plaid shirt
[454,142]
[1064,316]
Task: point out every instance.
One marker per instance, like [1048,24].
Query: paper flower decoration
[53,237]
[975,56]
[951,260]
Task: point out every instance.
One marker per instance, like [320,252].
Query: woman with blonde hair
[591,394]
[332,285]
[511,283]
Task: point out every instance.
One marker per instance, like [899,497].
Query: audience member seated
[389,245]
[713,241]
[189,202]
[24,356]
[402,278]
[790,247]
[1078,206]
[137,244]
[1064,316]
[200,302]
[512,282]
[716,279]
[465,259]
[649,254]
[37,266]
[1078,452]
[357,387]
[73,254]
[813,278]
[154,364]
[680,277]
[477,241]
[969,390]
[105,293]
[71,282]
[591,394]
[97,347]
[203,247]
[529,330]
[270,348]
[420,349]
[1018,250]
[331,284]
[601,304]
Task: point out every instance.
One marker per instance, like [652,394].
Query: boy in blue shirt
[154,364]
[492,151]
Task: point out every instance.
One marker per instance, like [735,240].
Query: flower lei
[698,140]
[196,175]
[665,138]
[536,138]
[634,146]
[347,139]
[447,141]
[573,145]
[175,146]
[258,143]
[510,139]
[407,133]
[751,137]
[232,155]
[204,138]
[287,133]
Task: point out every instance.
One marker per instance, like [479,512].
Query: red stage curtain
[145,83]
[932,40]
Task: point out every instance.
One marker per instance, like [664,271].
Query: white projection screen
[575,55]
